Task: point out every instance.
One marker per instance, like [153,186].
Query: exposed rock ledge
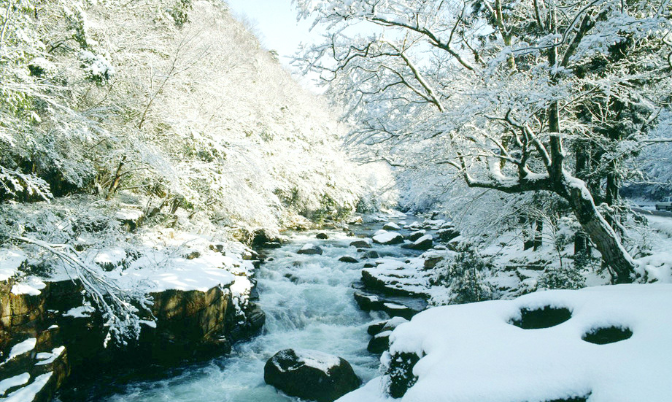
[48,338]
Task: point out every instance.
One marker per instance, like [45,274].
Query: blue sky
[275,24]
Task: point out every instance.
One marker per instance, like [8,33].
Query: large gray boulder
[309,374]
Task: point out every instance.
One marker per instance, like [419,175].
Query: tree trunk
[601,234]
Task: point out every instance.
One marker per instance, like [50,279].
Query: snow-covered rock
[310,374]
[614,347]
[423,243]
[384,237]
[391,226]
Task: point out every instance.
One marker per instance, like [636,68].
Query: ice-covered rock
[310,374]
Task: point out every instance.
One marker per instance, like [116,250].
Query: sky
[275,24]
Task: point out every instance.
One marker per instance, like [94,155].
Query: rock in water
[384,237]
[309,374]
[361,244]
[322,236]
[391,226]
[310,249]
[347,258]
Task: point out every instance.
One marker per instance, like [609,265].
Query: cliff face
[50,337]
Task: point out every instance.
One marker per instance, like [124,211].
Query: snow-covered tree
[506,93]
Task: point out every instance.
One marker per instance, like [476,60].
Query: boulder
[310,374]
[424,243]
[310,249]
[347,258]
[391,226]
[416,235]
[385,237]
[379,343]
[371,255]
[447,234]
[322,236]
[361,244]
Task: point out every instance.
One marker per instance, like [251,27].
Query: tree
[503,92]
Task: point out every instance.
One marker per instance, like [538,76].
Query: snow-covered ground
[473,352]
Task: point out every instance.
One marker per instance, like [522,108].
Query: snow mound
[473,352]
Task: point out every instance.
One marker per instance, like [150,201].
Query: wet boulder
[348,259]
[361,244]
[310,249]
[310,374]
[322,236]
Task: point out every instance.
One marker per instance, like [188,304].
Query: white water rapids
[309,304]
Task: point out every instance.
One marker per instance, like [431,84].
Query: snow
[472,353]
[391,226]
[112,256]
[129,214]
[30,286]
[80,312]
[384,237]
[21,348]
[10,382]
[29,392]
[48,358]
[10,261]
[162,272]
[316,359]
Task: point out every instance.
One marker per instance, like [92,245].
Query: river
[308,300]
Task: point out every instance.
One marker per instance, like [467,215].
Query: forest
[475,207]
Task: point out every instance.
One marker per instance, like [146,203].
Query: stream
[309,304]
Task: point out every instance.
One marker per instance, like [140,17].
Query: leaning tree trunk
[601,233]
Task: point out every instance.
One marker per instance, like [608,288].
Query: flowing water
[308,300]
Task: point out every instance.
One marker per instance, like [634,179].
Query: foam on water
[309,304]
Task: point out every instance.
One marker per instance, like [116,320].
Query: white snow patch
[30,286]
[10,262]
[472,353]
[21,348]
[80,312]
[10,382]
[48,358]
[316,359]
[29,392]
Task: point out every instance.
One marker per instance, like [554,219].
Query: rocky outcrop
[69,337]
[309,374]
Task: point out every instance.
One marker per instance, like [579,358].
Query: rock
[322,236]
[361,244]
[384,237]
[416,235]
[432,261]
[369,265]
[379,343]
[371,255]
[347,258]
[309,374]
[387,325]
[391,305]
[310,249]
[391,226]
[131,219]
[446,235]
[424,243]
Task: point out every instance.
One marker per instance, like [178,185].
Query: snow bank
[473,353]
[10,261]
